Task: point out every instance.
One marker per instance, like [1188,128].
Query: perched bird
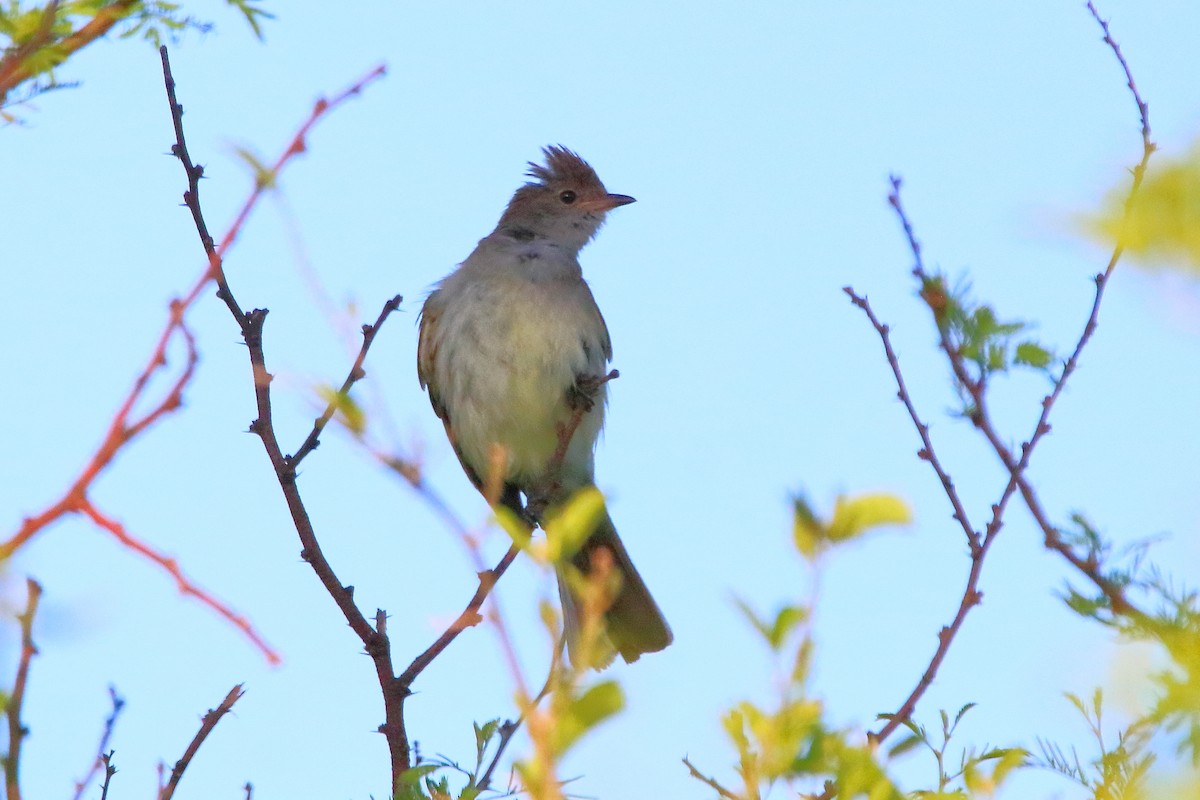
[512,344]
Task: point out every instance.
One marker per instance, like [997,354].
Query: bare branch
[186,585]
[209,722]
[102,759]
[12,709]
[712,782]
[356,374]
[926,453]
[469,618]
[109,771]
[374,639]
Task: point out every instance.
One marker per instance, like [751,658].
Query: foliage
[1163,227]
[36,39]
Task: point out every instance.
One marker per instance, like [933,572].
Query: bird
[512,346]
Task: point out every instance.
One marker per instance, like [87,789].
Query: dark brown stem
[356,374]
[101,759]
[374,640]
[207,724]
[469,618]
[109,770]
[926,453]
[12,709]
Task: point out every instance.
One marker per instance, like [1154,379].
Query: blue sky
[758,141]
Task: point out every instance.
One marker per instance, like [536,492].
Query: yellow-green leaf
[587,711]
[807,529]
[852,517]
[1163,226]
[569,525]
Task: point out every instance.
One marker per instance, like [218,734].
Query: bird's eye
[567,197]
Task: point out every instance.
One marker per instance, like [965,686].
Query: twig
[467,619]
[712,782]
[109,771]
[124,428]
[374,639]
[926,453]
[356,374]
[206,727]
[971,595]
[509,728]
[101,760]
[12,709]
[186,586]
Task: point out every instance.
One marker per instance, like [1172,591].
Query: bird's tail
[633,623]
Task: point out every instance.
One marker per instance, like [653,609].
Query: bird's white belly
[510,365]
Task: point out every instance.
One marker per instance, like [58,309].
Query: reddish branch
[12,709]
[123,429]
[209,722]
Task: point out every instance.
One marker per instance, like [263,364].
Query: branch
[206,727]
[374,639]
[469,618]
[1088,565]
[12,709]
[971,595]
[712,782]
[926,453]
[509,728]
[109,771]
[356,374]
[185,584]
[101,759]
[123,429]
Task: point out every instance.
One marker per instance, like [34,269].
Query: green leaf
[517,528]
[346,407]
[808,531]
[264,176]
[1032,354]
[484,734]
[776,632]
[904,745]
[570,525]
[587,711]
[852,517]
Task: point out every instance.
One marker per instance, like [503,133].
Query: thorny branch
[356,374]
[374,639]
[101,760]
[209,722]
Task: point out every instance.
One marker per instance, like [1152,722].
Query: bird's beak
[611,201]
